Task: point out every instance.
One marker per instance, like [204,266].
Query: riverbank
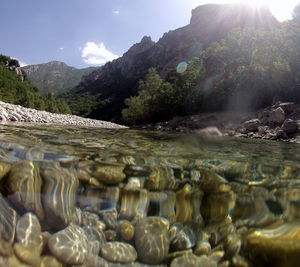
[19,114]
[280,121]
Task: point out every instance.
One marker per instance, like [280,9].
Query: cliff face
[118,79]
[55,76]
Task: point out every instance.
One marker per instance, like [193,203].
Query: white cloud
[117,12]
[22,64]
[61,48]
[96,54]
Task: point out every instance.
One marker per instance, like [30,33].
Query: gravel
[17,113]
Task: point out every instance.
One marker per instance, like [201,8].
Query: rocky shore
[280,121]
[19,114]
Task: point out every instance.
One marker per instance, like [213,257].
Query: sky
[86,33]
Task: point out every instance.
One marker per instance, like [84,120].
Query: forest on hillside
[249,69]
[16,89]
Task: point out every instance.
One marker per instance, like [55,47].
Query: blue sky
[85,32]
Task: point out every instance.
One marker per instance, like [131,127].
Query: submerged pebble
[119,252]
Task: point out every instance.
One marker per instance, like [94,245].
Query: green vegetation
[55,77]
[249,69]
[15,89]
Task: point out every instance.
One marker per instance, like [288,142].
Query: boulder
[290,126]
[252,125]
[277,116]
[288,107]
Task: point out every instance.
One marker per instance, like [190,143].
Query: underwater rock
[165,203]
[126,230]
[119,252]
[28,232]
[217,207]
[152,239]
[24,186]
[59,196]
[110,235]
[94,233]
[274,246]
[5,248]
[70,245]
[191,260]
[109,173]
[8,220]
[4,169]
[188,202]
[203,247]
[161,178]
[134,203]
[49,261]
[184,239]
[110,217]
[27,255]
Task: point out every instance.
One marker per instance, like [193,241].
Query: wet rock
[119,252]
[152,239]
[232,246]
[8,220]
[288,107]
[4,169]
[111,174]
[252,125]
[290,126]
[94,233]
[110,217]
[5,248]
[134,204]
[24,186]
[277,116]
[184,239]
[209,131]
[59,196]
[126,230]
[27,255]
[160,178]
[274,246]
[70,245]
[162,204]
[28,232]
[202,248]
[110,235]
[192,260]
[49,261]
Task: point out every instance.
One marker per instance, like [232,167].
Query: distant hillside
[55,77]
[118,80]
[16,89]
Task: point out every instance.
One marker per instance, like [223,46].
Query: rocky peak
[145,44]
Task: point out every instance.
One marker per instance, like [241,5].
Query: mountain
[55,76]
[118,79]
[16,89]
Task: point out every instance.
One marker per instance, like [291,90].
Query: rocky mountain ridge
[118,79]
[55,76]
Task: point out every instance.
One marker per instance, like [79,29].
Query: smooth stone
[126,230]
[110,235]
[94,233]
[119,252]
[24,186]
[152,239]
[49,261]
[27,255]
[70,245]
[191,260]
[5,248]
[8,221]
[59,196]
[184,239]
[28,232]
[4,169]
[110,217]
[203,247]
[109,173]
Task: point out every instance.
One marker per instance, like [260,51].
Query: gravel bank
[16,113]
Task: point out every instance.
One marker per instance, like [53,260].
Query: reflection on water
[99,197]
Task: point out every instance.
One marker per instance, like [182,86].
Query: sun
[281,9]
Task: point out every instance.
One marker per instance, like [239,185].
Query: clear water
[234,202]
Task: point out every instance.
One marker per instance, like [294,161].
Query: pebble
[126,230]
[49,261]
[152,239]
[119,252]
[70,245]
[191,260]
[27,255]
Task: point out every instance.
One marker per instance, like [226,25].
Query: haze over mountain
[55,77]
[118,80]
